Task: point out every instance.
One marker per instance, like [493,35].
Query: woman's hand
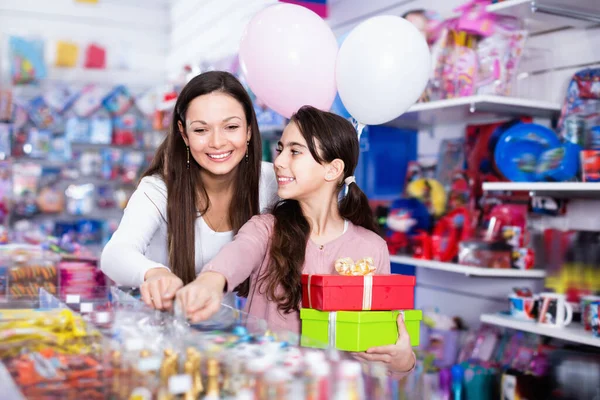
[398,357]
[201,299]
[159,288]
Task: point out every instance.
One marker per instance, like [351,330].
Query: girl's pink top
[248,256]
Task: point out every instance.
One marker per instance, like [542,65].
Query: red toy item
[448,232]
[357,293]
[421,246]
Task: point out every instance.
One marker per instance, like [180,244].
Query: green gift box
[356,330]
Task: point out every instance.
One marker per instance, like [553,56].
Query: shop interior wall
[208,33]
[131,30]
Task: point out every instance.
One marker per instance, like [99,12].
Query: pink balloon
[288,55]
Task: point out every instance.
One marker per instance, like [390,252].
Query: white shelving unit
[572,333]
[469,271]
[551,189]
[470,108]
[540,17]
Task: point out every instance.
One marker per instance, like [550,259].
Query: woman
[205,182]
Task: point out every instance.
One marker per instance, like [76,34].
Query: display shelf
[541,17]
[469,271]
[467,109]
[550,189]
[572,333]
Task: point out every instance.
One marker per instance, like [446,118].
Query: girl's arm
[123,257]
[202,298]
[239,258]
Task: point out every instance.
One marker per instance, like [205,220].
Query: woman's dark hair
[328,137]
[185,192]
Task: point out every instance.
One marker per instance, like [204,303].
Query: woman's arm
[123,257]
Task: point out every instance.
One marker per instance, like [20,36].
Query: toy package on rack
[89,101]
[5,138]
[38,143]
[118,101]
[60,97]
[26,58]
[51,199]
[6,105]
[126,129]
[25,189]
[6,191]
[80,199]
[77,130]
[101,129]
[42,115]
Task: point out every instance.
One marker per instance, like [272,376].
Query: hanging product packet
[26,57]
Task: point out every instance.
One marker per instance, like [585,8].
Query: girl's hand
[201,299]
[159,288]
[398,357]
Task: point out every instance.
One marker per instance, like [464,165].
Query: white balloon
[382,69]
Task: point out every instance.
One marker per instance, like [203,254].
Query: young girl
[205,182]
[306,233]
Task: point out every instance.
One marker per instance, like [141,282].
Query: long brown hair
[185,191]
[337,139]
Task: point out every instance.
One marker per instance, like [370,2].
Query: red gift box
[357,293]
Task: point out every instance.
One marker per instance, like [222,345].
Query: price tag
[179,384]
[134,344]
[86,307]
[102,317]
[73,299]
[149,364]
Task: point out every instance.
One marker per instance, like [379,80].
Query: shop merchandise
[117,348]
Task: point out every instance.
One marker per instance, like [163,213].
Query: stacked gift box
[355,309]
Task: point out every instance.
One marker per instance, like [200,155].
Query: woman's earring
[188,156]
[247,146]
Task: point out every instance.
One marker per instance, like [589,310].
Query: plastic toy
[431,193]
[406,218]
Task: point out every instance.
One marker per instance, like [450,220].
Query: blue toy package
[89,231]
[118,101]
[77,130]
[38,143]
[101,130]
[60,97]
[112,161]
[26,60]
[5,136]
[42,115]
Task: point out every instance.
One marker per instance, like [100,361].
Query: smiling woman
[205,182]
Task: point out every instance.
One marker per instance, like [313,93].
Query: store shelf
[469,271]
[550,189]
[541,15]
[572,333]
[473,108]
